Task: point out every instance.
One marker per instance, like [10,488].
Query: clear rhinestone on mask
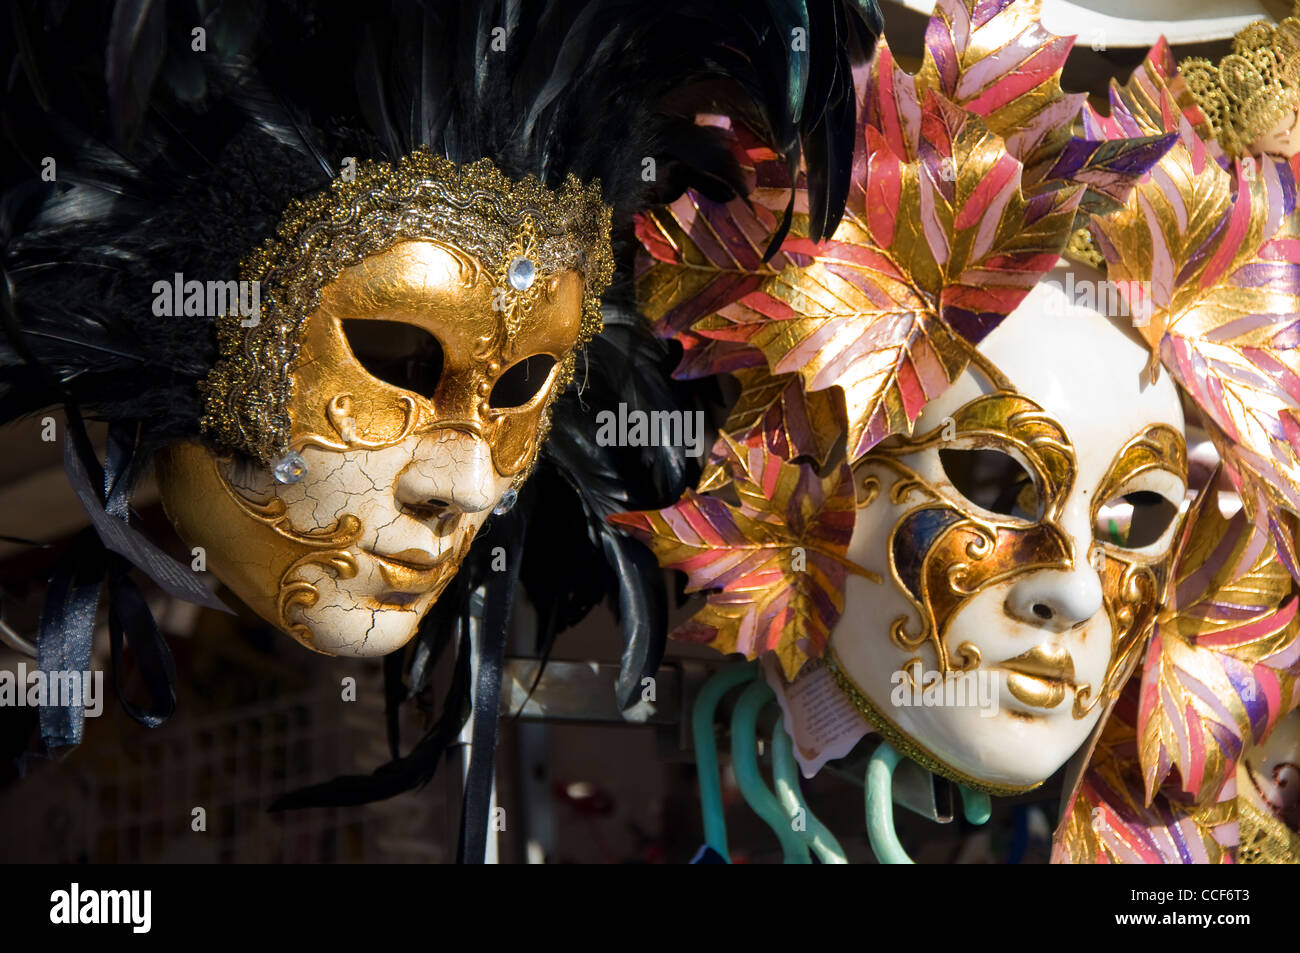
[506,502]
[290,468]
[520,273]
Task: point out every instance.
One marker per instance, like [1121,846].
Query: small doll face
[1271,772]
[1282,140]
[1023,535]
[417,405]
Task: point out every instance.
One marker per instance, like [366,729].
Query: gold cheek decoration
[262,556]
[497,271]
[267,555]
[941,555]
[1132,585]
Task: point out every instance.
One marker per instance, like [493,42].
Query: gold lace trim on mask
[1264,838]
[1251,88]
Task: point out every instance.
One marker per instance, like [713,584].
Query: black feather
[135,50]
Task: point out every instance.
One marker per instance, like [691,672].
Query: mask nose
[450,474]
[1055,600]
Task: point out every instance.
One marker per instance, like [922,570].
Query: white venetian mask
[1023,535]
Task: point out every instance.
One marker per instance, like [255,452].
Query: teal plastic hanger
[880,806]
[706,751]
[780,810]
[744,760]
[785,774]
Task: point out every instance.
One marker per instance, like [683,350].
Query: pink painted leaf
[995,59]
[1111,821]
[1209,259]
[890,307]
[773,567]
[1222,665]
[774,412]
[699,255]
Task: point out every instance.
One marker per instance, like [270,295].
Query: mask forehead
[447,293]
[1084,369]
[482,333]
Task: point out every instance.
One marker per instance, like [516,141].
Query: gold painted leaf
[773,567]
[889,309]
[1110,821]
[1223,661]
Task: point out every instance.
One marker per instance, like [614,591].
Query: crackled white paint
[358,616]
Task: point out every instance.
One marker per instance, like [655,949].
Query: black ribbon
[109,549]
[404,773]
[67,624]
[497,600]
[110,511]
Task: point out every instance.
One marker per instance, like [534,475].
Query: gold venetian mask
[369,423]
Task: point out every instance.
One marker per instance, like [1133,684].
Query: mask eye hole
[994,481]
[1134,520]
[521,382]
[397,353]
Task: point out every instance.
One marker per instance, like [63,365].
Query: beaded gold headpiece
[1253,86]
[501,223]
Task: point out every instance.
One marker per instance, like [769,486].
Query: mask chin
[1022,535]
